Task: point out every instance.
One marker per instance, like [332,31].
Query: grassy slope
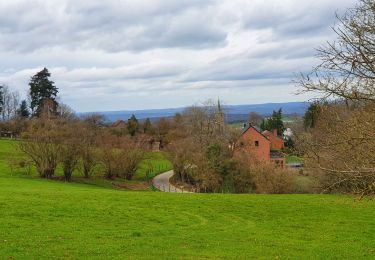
[42,219]
[46,218]
[153,164]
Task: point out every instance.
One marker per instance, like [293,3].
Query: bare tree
[129,161]
[202,130]
[348,64]
[66,112]
[338,148]
[119,156]
[338,151]
[70,147]
[88,151]
[39,144]
[205,123]
[162,128]
[255,118]
[10,103]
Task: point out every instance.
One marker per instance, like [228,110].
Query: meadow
[43,219]
[153,164]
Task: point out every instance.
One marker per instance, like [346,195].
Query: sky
[142,54]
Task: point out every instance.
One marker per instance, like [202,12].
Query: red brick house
[262,146]
[119,124]
[277,142]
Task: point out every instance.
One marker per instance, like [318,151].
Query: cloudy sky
[139,54]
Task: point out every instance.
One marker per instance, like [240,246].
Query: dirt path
[161,182]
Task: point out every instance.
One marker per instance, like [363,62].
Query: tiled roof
[248,126]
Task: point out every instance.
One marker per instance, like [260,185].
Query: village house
[263,146]
[119,124]
[277,142]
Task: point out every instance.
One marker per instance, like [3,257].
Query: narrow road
[161,182]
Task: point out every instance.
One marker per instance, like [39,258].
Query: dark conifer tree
[133,125]
[42,90]
[274,122]
[146,127]
[23,111]
[311,115]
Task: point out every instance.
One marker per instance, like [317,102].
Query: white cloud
[163,53]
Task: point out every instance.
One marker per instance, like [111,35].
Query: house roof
[257,129]
[118,123]
[267,133]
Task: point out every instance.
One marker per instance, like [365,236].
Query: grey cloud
[109,26]
[287,18]
[123,53]
[242,67]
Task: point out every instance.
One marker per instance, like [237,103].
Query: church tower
[220,117]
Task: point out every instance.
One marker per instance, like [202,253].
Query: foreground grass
[45,219]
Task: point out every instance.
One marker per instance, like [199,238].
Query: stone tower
[220,117]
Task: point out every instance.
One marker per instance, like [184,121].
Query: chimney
[275,132]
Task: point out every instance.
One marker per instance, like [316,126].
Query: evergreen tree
[147,126]
[264,125]
[23,111]
[133,125]
[274,122]
[311,116]
[288,141]
[42,91]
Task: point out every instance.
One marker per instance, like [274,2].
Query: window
[257,143]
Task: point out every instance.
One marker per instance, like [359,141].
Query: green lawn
[44,219]
[153,164]
[293,159]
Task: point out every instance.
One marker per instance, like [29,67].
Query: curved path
[161,182]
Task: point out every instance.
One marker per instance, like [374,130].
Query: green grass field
[44,219]
[153,164]
[293,159]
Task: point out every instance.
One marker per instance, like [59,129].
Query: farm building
[263,146]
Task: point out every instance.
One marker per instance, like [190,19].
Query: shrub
[262,177]
[39,144]
[271,179]
[129,161]
[119,156]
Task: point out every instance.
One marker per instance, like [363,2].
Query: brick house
[277,142]
[263,146]
[119,124]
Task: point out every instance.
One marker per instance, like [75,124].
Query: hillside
[44,219]
[233,112]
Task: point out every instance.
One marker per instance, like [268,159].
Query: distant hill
[233,112]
